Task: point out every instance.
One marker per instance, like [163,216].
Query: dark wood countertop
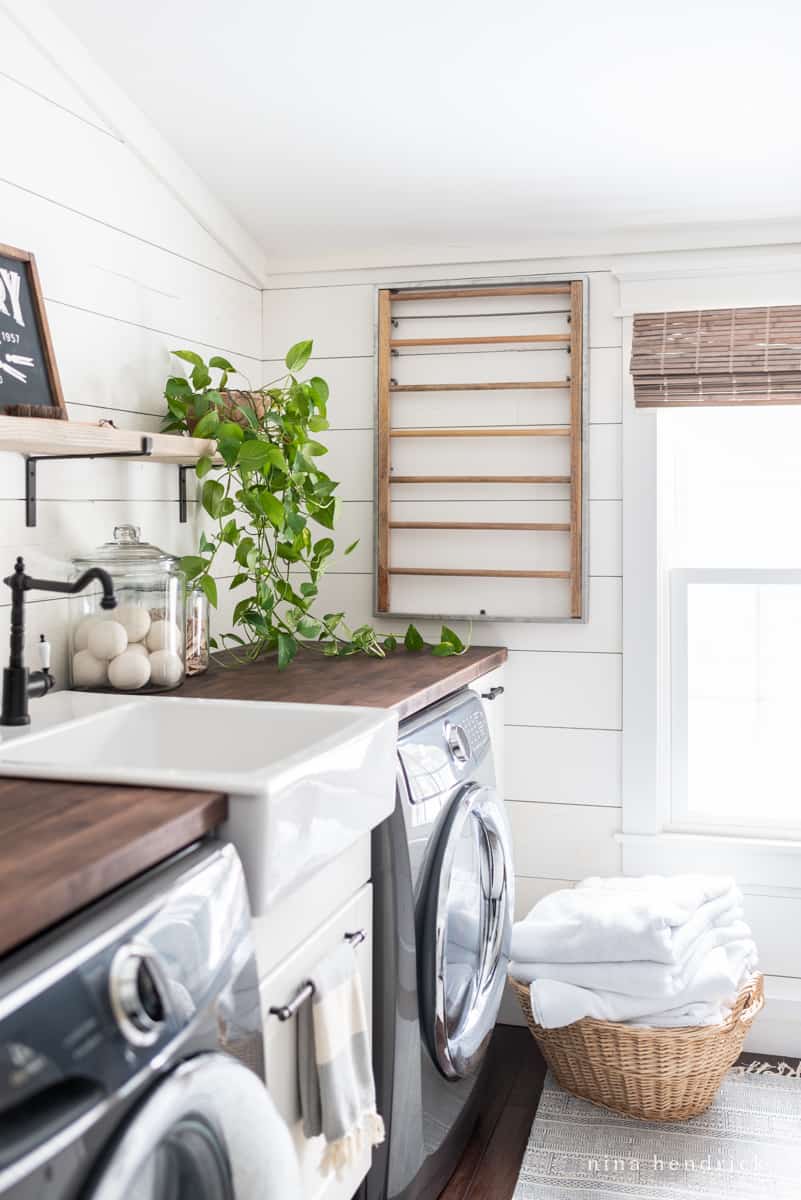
[63,845]
[406,681]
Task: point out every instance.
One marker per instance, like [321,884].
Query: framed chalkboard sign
[29,382]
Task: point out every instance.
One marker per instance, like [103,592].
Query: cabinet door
[492,702]
[281,1039]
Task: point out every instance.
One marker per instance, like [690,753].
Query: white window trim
[647,841]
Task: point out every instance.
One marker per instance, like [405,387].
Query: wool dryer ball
[107,639]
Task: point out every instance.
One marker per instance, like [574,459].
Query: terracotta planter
[231,410]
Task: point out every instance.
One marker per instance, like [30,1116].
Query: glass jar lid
[129,552]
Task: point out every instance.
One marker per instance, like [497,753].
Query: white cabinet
[281,1037]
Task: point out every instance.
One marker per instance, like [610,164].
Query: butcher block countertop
[405,680]
[63,845]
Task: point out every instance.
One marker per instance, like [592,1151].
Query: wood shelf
[42,437]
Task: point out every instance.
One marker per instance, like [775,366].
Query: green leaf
[319,389]
[309,590]
[243,549]
[390,643]
[230,533]
[222,364]
[324,548]
[231,431]
[229,450]
[443,650]
[315,449]
[177,387]
[254,453]
[287,649]
[318,424]
[203,466]
[200,377]
[210,588]
[238,580]
[327,514]
[413,639]
[207,426]
[296,522]
[333,620]
[353,546]
[309,627]
[450,638]
[212,497]
[178,408]
[206,547]
[192,565]
[298,355]
[273,508]
[188,356]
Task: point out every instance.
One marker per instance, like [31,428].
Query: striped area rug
[747,1146]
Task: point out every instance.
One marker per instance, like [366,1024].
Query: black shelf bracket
[33,460]
[182,504]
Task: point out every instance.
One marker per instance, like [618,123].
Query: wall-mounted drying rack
[503,424]
[42,439]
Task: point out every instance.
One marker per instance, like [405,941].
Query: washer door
[209,1131]
[466,931]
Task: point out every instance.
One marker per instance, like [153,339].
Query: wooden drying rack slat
[479,572]
[476,293]
[479,479]
[483,431]
[537,526]
[509,340]
[539,385]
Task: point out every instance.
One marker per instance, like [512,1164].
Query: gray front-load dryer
[444,884]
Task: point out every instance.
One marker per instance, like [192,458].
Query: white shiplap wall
[563,697]
[128,273]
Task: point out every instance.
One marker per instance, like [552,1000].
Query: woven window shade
[717,356]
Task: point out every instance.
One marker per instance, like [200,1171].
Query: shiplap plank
[571,691]
[86,170]
[553,841]
[341,320]
[563,766]
[91,266]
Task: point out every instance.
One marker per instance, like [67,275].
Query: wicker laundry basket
[653,1074]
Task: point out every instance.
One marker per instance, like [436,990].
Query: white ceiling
[363,129]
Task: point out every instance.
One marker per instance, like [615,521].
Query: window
[729,588]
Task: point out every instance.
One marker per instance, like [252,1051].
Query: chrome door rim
[202,1086]
[457,1057]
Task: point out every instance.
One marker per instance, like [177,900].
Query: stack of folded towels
[651,951]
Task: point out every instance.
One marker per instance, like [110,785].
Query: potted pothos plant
[266,492]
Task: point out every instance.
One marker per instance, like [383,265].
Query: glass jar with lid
[139,646]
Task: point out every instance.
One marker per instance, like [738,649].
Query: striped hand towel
[337,1089]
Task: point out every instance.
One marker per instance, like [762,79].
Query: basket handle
[756,1003]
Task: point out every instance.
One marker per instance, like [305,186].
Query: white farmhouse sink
[304,781]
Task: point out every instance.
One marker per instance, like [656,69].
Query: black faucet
[20,684]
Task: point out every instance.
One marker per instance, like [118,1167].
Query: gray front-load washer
[444,895]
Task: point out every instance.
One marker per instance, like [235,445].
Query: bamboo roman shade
[717,356]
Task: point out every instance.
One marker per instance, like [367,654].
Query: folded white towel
[625,920]
[639,978]
[714,986]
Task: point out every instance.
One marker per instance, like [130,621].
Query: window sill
[757,861]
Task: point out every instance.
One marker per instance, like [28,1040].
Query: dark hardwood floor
[491,1162]
[489,1166]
